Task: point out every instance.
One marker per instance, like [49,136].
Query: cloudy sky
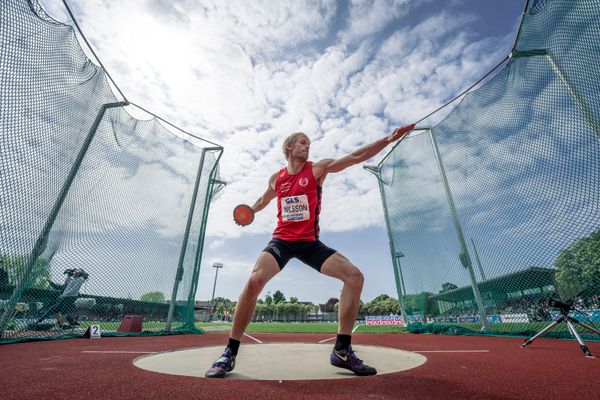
[245,74]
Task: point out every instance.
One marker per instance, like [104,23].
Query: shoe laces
[353,356]
[224,360]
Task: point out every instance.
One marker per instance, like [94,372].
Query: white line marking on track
[118,352]
[253,338]
[335,337]
[327,340]
[451,351]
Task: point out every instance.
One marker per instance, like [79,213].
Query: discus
[243,214]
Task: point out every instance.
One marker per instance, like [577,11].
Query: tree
[268,299]
[153,297]
[293,300]
[381,297]
[15,267]
[448,286]
[330,305]
[362,309]
[221,300]
[278,297]
[260,311]
[578,266]
[293,309]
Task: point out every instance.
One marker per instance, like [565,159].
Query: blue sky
[245,74]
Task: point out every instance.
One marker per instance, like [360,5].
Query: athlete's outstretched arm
[267,196]
[326,166]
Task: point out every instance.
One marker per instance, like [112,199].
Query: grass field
[259,327]
[304,327]
[516,329]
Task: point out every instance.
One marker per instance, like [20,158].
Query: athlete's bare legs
[342,355]
[338,266]
[266,267]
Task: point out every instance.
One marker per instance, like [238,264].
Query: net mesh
[84,185]
[494,211]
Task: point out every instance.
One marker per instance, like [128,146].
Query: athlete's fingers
[400,132]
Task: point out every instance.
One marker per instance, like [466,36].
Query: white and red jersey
[298,205]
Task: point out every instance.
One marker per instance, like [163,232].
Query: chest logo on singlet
[303,182]
[285,187]
[295,208]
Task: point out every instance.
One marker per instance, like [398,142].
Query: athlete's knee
[356,278]
[255,285]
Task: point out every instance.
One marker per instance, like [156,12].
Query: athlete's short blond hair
[290,140]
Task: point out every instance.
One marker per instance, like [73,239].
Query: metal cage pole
[399,289]
[581,105]
[465,259]
[179,273]
[200,248]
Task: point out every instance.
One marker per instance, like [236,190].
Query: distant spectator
[65,304]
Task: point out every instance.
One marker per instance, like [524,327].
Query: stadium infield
[463,367]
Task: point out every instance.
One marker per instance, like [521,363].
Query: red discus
[243,214]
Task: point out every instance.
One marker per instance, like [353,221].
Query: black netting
[86,186]
[494,211]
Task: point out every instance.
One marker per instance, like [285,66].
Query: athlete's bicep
[267,196]
[340,164]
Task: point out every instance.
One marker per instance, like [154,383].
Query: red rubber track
[546,369]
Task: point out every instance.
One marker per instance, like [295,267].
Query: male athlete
[297,187]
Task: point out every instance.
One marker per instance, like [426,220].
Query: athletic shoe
[347,359]
[222,366]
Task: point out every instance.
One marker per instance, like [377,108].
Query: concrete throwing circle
[278,361]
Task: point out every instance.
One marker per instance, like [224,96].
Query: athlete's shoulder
[320,167]
[273,179]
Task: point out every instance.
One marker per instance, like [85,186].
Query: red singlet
[298,205]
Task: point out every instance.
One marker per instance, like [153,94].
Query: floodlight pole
[465,259]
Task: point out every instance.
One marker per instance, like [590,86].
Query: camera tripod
[565,309]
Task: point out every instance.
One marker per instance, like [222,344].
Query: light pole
[217,266]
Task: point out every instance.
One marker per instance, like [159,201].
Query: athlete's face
[301,148]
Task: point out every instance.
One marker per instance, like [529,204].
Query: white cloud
[368,17]
[246,74]
[243,75]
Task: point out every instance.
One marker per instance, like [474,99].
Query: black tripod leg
[540,333]
[589,328]
[574,332]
